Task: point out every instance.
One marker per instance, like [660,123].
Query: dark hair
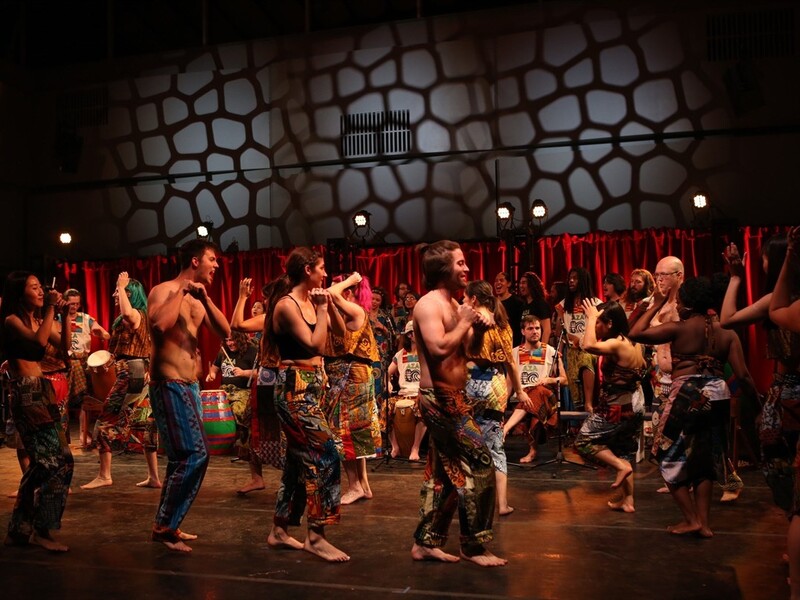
[13,292]
[384,296]
[584,289]
[194,249]
[529,319]
[614,316]
[242,342]
[617,281]
[775,251]
[411,293]
[561,291]
[397,288]
[482,291]
[535,287]
[697,295]
[297,261]
[437,262]
[647,291]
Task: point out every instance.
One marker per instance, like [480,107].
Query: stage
[561,541]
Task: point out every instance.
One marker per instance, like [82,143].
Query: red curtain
[553,256]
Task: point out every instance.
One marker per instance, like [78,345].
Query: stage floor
[561,541]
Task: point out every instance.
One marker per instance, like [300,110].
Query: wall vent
[376,133]
[768,33]
[82,108]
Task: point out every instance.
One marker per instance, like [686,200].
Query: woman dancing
[299,325]
[127,408]
[683,437]
[609,433]
[28,317]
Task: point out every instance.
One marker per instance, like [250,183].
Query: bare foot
[321,547]
[171,539]
[395,453]
[683,527]
[414,456]
[426,553]
[485,559]
[624,504]
[730,496]
[705,532]
[150,483]
[351,496]
[278,539]
[662,490]
[186,536]
[47,542]
[529,457]
[506,511]
[253,486]
[622,474]
[97,482]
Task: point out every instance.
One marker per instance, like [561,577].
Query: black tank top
[288,346]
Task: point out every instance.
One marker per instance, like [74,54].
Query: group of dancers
[315,377]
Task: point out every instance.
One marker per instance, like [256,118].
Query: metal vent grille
[749,35]
[376,133]
[83,108]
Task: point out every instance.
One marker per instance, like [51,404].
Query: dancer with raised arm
[298,327]
[459,474]
[177,308]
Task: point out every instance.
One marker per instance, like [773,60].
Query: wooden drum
[404,425]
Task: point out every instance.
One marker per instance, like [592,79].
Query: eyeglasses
[662,275]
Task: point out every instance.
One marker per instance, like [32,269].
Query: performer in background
[176,309]
[127,408]
[404,377]
[535,361]
[28,323]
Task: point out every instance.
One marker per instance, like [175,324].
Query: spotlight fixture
[505,212]
[700,201]
[361,219]
[204,230]
[538,209]
[65,238]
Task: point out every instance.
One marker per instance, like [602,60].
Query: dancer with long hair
[127,407]
[28,324]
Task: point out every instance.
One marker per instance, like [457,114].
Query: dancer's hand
[319,297]
[245,288]
[123,280]
[590,309]
[734,260]
[196,290]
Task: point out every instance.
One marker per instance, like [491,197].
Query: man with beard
[177,308]
[459,474]
[636,300]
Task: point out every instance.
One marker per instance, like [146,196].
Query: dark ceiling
[37,34]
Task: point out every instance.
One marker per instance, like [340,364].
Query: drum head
[404,404]
[99,358]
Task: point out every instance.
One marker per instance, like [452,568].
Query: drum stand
[559,457]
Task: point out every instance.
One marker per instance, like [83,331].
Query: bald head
[669,275]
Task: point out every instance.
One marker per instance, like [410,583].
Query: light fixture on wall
[700,201]
[361,220]
[65,238]
[362,229]
[538,212]
[701,209]
[204,230]
[505,215]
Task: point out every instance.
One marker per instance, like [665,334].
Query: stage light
[538,209]
[361,219]
[204,230]
[505,212]
[700,201]
[65,238]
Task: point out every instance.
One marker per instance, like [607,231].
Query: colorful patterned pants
[43,490]
[312,474]
[179,416]
[459,473]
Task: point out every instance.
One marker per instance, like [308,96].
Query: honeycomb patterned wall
[595,113]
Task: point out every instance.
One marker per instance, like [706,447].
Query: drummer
[236,360]
[84,327]
[126,409]
[404,378]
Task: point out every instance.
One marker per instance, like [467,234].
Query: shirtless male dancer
[459,474]
[176,309]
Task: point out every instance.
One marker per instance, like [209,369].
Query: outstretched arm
[238,322]
[782,311]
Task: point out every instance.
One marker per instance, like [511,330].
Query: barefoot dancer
[682,442]
[177,308]
[459,474]
[535,361]
[492,371]
[350,406]
[299,325]
[27,325]
[125,409]
[609,433]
